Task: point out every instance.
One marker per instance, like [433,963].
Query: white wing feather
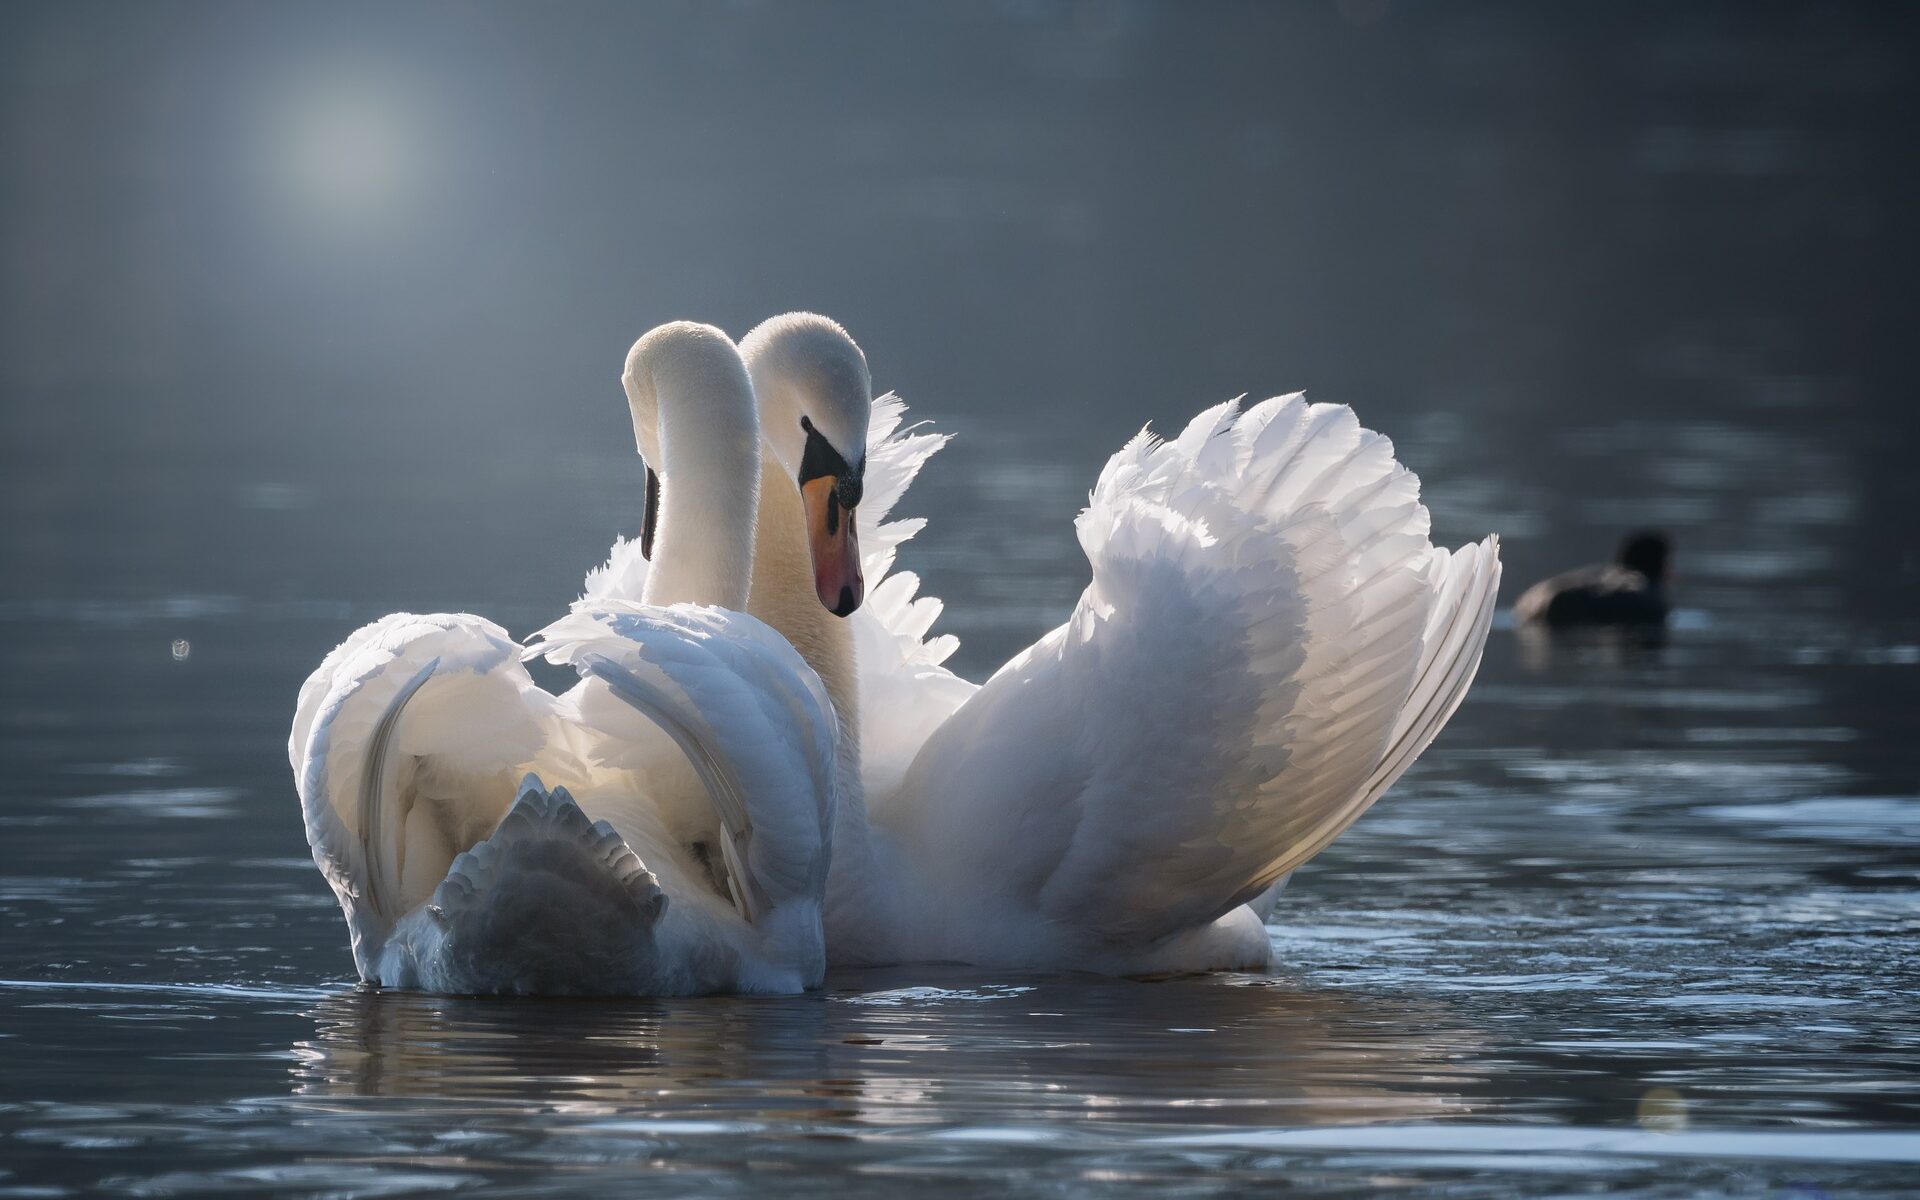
[389,803]
[1268,640]
[739,693]
[425,730]
[622,577]
[905,691]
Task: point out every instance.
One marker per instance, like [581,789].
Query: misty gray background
[266,266]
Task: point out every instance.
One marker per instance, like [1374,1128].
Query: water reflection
[888,1049]
[1543,647]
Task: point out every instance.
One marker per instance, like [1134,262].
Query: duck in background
[1630,591]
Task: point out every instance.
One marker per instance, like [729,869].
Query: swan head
[816,397]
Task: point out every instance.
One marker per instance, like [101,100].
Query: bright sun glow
[346,149]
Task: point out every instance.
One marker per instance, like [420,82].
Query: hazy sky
[346,235]
[459,205]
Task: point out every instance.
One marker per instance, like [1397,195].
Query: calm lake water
[1645,920]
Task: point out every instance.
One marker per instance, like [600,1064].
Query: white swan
[1268,642]
[697,737]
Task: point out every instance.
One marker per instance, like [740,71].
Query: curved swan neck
[805,365]
[695,422]
[783,596]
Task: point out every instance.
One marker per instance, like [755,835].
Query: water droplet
[181,648]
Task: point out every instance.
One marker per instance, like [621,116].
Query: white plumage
[1268,641]
[425,775]
[663,828]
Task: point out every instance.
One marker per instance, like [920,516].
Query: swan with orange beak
[815,398]
[1268,640]
[830,489]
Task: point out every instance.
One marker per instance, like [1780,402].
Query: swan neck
[783,596]
[706,437]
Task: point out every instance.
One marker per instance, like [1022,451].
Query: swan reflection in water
[890,1049]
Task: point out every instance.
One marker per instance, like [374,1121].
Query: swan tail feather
[551,903]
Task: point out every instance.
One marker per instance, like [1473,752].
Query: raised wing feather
[410,753]
[622,577]
[736,697]
[1268,639]
[905,690]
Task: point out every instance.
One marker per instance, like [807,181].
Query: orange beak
[836,549]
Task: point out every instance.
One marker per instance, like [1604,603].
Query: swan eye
[821,460]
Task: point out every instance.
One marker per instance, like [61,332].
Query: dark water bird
[1631,590]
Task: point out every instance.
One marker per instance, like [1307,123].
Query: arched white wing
[409,742]
[1268,640]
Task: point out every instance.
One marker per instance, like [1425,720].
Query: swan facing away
[1269,640]
[662,828]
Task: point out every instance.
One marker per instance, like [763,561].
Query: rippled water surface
[1645,920]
